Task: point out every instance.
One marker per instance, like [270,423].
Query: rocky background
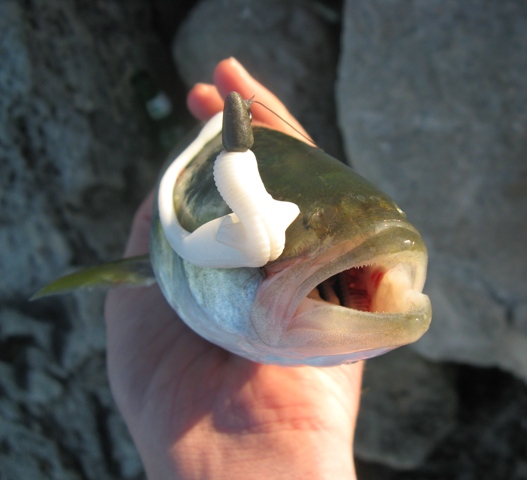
[427,99]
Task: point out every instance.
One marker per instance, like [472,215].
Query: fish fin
[133,271]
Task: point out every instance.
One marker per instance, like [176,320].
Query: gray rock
[31,455]
[407,408]
[77,155]
[14,324]
[88,335]
[431,102]
[491,339]
[520,319]
[288,46]
[487,441]
[69,147]
[27,231]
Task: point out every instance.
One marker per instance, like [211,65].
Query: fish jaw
[349,302]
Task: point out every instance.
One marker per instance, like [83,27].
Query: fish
[340,281]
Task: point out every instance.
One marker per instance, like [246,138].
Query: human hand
[195,410]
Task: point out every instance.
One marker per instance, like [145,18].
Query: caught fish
[276,251]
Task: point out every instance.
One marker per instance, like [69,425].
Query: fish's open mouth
[352,288]
[377,288]
[351,298]
[368,288]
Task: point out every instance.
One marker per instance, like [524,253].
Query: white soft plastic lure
[251,236]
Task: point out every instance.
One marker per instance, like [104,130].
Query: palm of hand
[167,379]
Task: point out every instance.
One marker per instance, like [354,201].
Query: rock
[78,153]
[288,46]
[88,335]
[14,325]
[489,340]
[31,454]
[487,440]
[22,214]
[69,146]
[431,104]
[408,407]
[65,425]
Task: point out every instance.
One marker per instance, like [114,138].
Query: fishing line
[251,101]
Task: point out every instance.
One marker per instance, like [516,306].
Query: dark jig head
[237,133]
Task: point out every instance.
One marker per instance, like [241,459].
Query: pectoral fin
[134,271]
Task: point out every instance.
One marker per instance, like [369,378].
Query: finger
[138,242]
[230,75]
[204,101]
